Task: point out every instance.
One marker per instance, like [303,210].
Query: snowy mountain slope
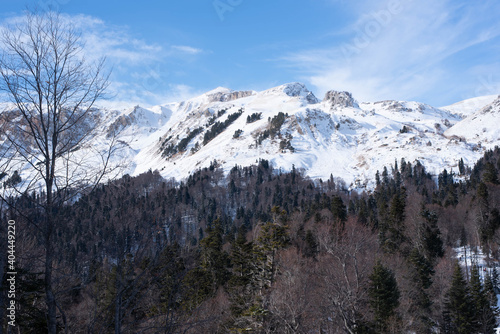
[468,107]
[337,135]
[289,126]
[481,127]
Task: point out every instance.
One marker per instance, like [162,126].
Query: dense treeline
[262,251]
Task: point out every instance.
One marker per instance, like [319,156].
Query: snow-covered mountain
[289,126]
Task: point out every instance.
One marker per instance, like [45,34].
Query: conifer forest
[264,251]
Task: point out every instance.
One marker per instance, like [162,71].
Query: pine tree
[461,166]
[484,317]
[241,281]
[394,236]
[490,173]
[339,209]
[421,272]
[489,288]
[458,312]
[272,237]
[384,295]
[213,259]
[431,236]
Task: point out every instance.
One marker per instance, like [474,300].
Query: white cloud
[186,49]
[399,50]
[138,75]
[125,95]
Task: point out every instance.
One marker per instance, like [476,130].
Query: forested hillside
[262,251]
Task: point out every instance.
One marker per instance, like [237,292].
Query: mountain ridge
[289,126]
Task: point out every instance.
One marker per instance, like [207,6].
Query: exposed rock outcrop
[340,99]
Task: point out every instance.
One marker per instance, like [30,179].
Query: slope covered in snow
[468,107]
[289,126]
[481,127]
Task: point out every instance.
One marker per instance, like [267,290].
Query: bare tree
[350,252]
[49,122]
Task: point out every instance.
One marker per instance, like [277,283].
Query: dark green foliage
[458,312]
[240,285]
[423,269]
[171,149]
[490,290]
[181,147]
[339,209]
[482,194]
[392,228]
[384,295]
[444,179]
[30,315]
[484,317]
[431,236]
[237,133]
[490,173]
[198,287]
[219,127]
[461,166]
[212,119]
[254,117]
[169,269]
[276,123]
[203,281]
[213,259]
[421,272]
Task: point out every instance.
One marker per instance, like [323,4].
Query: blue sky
[433,51]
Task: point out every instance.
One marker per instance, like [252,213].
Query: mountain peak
[294,89]
[219,90]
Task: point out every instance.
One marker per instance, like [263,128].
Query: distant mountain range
[289,126]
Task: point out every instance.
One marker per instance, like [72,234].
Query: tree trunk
[50,298]
[3,256]
[118,300]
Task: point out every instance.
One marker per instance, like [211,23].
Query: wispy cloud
[186,49]
[400,49]
[138,66]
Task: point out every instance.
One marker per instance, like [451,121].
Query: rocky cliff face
[340,99]
[229,96]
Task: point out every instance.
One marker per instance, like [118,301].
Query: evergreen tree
[213,259]
[394,236]
[431,236]
[461,166]
[489,288]
[384,295]
[421,272]
[484,316]
[339,209]
[272,237]
[458,311]
[482,193]
[240,284]
[490,173]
